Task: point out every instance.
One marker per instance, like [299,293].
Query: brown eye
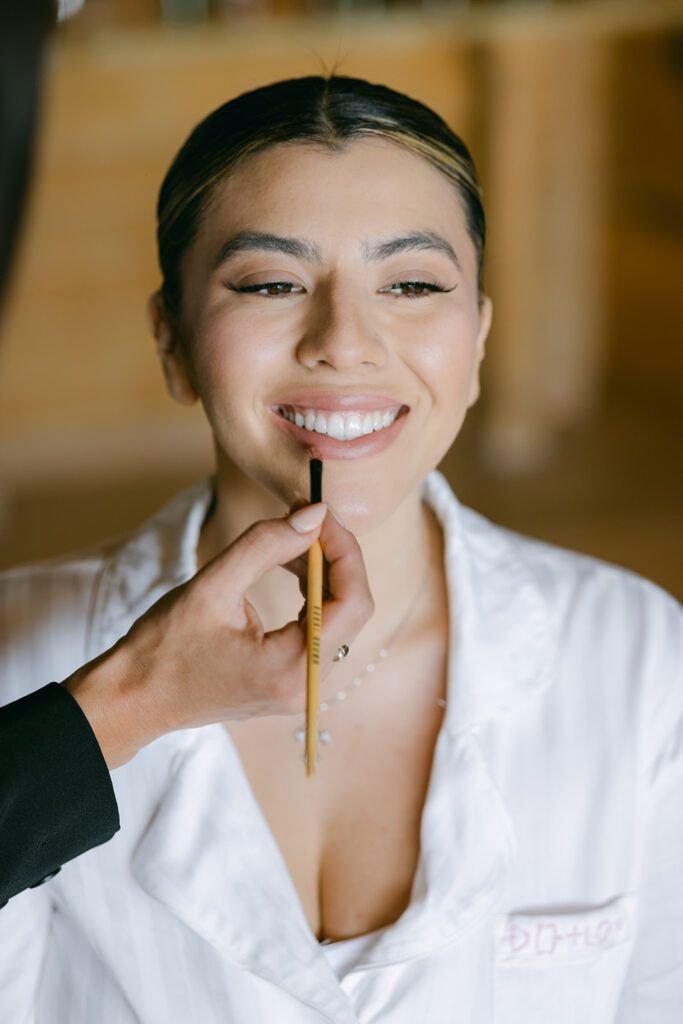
[415,289]
[272,289]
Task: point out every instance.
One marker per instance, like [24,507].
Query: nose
[340,334]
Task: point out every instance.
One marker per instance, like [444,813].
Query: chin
[364,496]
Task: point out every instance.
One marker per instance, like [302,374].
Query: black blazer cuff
[56,794]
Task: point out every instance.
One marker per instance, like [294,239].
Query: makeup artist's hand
[200,655]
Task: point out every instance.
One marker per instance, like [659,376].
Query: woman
[494,830]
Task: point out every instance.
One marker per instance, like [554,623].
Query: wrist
[110,692]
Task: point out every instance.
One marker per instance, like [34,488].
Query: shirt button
[46,879]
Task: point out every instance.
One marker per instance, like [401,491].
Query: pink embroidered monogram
[566,936]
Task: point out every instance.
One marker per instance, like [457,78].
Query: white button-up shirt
[549,888]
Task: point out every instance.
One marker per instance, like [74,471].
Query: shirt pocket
[566,966]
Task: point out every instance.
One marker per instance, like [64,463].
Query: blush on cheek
[218,357]
[447,368]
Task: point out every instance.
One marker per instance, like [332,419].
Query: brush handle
[313,630]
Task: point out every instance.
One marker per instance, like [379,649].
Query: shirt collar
[502,642]
[209,857]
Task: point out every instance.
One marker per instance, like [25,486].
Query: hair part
[330,111]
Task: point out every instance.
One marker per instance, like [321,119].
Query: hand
[200,654]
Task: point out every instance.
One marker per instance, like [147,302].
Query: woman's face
[295,306]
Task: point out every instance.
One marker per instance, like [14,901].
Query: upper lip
[334,401]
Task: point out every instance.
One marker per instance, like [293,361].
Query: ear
[170,352]
[485,317]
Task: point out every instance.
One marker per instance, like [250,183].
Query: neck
[403,557]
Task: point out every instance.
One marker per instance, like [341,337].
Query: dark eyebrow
[249,240]
[403,243]
[301,248]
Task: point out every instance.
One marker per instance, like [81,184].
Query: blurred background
[573,112]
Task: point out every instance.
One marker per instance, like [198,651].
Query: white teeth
[341,426]
[320,425]
[335,426]
[353,426]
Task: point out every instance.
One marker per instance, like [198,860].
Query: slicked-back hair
[326,111]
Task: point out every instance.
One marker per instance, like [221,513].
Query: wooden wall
[80,388]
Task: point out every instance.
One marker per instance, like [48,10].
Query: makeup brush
[313,623]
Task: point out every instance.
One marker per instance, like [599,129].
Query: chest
[350,836]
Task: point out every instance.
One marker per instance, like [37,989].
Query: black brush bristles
[316,468]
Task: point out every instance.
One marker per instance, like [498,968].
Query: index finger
[351,599]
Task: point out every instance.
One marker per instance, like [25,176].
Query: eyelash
[253,288]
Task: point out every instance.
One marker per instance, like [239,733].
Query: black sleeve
[56,796]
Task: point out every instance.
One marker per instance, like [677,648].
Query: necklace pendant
[324,735]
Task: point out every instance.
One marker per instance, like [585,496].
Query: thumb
[261,547]
[308,518]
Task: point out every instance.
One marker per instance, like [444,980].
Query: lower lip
[330,448]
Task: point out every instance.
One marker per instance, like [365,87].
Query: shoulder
[58,614]
[582,588]
[45,609]
[582,592]
[617,636]
[627,624]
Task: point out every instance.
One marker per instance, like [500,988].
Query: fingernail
[309,518]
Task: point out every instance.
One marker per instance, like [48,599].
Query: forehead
[370,186]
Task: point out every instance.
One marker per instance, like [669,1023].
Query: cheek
[445,360]
[231,361]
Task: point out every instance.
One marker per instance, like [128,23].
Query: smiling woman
[495,818]
[377,291]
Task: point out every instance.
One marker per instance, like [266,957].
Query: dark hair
[327,111]
[24,27]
